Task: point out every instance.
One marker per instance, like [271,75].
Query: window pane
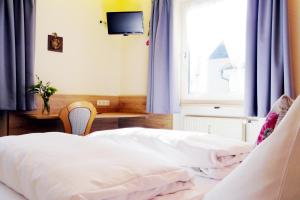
[216,43]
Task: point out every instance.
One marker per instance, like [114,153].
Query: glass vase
[46,106]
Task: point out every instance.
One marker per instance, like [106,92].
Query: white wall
[95,63]
[135,57]
[135,66]
[91,62]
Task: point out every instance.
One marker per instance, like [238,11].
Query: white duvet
[209,155]
[56,166]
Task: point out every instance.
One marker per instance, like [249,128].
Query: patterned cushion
[281,107]
[267,127]
[277,113]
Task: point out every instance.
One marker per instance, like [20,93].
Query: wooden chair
[78,117]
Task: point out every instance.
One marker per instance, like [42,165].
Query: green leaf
[45,91]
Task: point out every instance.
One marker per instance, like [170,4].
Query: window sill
[212,102]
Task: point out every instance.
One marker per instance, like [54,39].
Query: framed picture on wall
[55,43]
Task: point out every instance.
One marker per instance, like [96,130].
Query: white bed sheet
[8,194]
[203,185]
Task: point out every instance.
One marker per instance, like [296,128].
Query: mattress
[203,185]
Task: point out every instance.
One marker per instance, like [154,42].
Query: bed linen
[202,186]
[57,166]
[217,174]
[209,155]
[271,172]
[8,194]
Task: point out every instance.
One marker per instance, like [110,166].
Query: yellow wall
[93,62]
[123,5]
[294,26]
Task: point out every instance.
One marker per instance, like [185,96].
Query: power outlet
[102,102]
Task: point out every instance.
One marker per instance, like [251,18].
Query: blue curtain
[17,33]
[268,72]
[162,92]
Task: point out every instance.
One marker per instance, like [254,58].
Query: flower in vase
[45,91]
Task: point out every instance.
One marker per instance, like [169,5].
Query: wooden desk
[124,111]
[115,115]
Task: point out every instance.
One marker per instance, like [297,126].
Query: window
[214,43]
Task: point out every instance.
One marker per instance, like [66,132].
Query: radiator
[201,124]
[223,126]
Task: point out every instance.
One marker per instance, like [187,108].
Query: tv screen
[125,23]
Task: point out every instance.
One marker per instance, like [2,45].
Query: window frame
[185,96]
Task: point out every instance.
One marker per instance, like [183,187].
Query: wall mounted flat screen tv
[125,23]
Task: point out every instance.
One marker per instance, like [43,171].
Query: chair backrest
[78,117]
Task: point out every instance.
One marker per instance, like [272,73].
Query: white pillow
[272,170]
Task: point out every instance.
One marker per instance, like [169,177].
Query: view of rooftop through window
[215,37]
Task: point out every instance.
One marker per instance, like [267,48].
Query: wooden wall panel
[132,104]
[3,123]
[138,104]
[153,121]
[57,102]
[20,124]
[104,124]
[23,125]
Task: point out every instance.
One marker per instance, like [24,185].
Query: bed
[134,163]
[143,164]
